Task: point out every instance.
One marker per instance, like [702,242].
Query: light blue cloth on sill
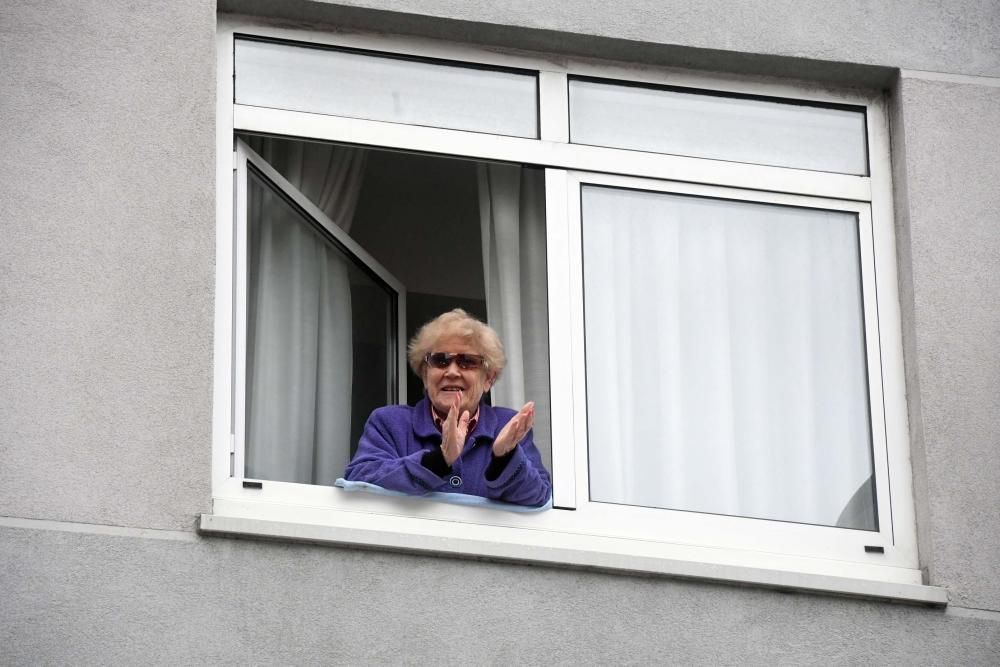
[438,496]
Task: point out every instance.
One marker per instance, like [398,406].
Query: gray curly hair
[457,323]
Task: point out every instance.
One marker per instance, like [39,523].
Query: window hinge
[232,443]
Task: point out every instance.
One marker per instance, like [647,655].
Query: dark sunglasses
[467,362]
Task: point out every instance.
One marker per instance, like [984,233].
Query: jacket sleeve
[379,461]
[520,477]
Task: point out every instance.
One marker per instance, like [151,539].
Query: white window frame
[686,544]
[570,454]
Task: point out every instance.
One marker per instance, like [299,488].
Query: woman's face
[444,384]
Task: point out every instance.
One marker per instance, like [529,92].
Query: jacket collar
[423,423]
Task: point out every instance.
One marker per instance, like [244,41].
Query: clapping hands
[515,430]
[454,431]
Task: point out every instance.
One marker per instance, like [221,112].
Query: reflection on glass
[725,358]
[318,345]
[357,85]
[717,127]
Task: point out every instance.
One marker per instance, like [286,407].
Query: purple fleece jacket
[400,449]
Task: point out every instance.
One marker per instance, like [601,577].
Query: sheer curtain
[512,218]
[300,356]
[725,358]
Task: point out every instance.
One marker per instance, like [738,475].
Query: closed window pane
[725,358]
[320,345]
[718,127]
[374,87]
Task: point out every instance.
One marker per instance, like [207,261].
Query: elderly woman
[451,440]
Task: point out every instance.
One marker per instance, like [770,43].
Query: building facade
[120,543]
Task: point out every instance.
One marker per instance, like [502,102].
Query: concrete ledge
[608,560]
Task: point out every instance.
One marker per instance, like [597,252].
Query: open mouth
[452,389]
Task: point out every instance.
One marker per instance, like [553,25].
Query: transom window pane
[376,87]
[725,358]
[718,127]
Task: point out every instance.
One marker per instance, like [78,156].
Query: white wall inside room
[417,206]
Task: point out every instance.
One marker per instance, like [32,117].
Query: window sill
[628,556]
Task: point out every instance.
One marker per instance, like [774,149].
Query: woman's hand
[454,431]
[515,430]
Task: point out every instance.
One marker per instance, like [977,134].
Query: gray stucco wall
[107,267]
[186,600]
[948,204]
[106,318]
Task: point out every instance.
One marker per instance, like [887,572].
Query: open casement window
[323,323]
[319,341]
[694,278]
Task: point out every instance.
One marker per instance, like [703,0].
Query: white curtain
[512,219]
[300,354]
[725,358]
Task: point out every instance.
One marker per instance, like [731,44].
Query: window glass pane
[342,83]
[718,127]
[725,358]
[319,345]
